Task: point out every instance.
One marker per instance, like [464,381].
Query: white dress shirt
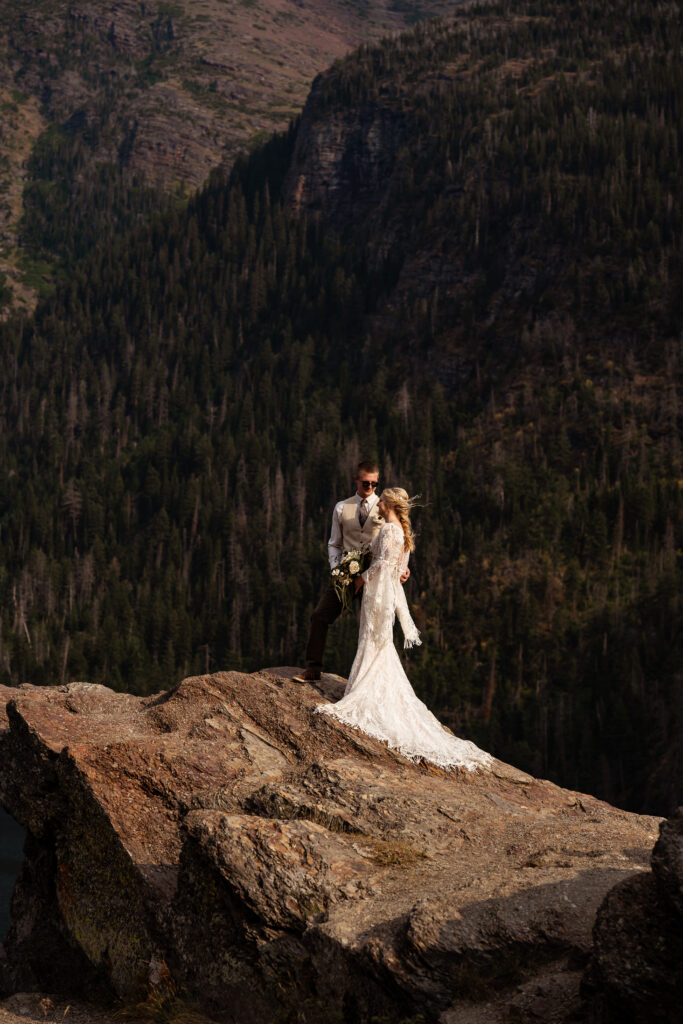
[335,545]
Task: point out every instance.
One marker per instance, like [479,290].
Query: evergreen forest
[496,319]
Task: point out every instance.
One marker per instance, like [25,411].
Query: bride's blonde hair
[398,500]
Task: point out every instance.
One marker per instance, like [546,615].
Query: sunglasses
[369,483]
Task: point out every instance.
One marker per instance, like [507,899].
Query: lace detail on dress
[383,595]
[379,698]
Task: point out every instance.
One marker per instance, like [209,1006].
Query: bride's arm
[388,552]
[411,634]
[405,571]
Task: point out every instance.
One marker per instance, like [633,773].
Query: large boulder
[635,975]
[273,861]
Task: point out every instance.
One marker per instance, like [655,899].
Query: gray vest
[353,535]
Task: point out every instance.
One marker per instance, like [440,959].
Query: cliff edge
[272,861]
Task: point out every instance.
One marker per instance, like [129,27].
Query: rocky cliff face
[343,162]
[350,168]
[636,971]
[268,859]
[168,91]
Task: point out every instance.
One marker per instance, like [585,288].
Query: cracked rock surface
[636,971]
[274,860]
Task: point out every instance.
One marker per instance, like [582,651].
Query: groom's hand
[405,575]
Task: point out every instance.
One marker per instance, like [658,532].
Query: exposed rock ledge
[275,861]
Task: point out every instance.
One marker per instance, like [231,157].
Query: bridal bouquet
[350,565]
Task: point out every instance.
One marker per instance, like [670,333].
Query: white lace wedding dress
[378,698]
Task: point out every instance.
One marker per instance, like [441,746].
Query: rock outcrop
[267,858]
[636,972]
[343,160]
[184,90]
[168,92]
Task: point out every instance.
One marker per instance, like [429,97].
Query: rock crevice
[264,853]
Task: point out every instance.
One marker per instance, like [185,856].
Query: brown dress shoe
[311,675]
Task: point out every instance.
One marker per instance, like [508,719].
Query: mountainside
[466,261]
[498,164]
[97,96]
[222,842]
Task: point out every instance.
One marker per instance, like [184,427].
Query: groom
[355,522]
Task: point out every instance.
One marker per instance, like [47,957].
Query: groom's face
[366,483]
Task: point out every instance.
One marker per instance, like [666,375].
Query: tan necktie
[364,512]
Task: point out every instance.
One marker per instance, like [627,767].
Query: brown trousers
[327,611]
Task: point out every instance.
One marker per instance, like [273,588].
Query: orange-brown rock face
[266,854]
[174,90]
[166,91]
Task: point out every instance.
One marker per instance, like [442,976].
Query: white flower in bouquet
[346,571]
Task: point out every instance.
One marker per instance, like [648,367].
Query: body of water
[11,846]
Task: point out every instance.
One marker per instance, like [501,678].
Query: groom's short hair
[367,466]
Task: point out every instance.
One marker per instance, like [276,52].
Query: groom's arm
[335,543]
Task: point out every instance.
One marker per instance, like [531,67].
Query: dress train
[378,698]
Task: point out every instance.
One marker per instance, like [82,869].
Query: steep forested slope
[494,314]
[101,97]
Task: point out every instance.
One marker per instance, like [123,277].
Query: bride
[378,697]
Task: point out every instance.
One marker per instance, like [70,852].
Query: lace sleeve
[383,596]
[387,554]
[411,634]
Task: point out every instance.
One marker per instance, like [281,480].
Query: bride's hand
[358,583]
[405,575]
